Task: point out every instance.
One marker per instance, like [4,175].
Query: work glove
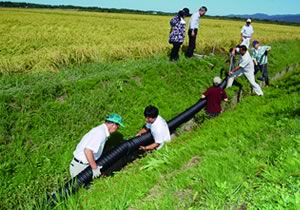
[266,53]
[97,172]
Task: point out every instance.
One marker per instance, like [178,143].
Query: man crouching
[158,128]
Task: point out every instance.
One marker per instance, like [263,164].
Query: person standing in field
[214,96]
[260,59]
[246,33]
[245,67]
[193,30]
[177,32]
[158,128]
[91,146]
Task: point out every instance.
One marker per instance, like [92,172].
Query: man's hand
[193,33]
[143,148]
[230,73]
[97,172]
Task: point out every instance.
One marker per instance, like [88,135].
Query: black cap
[186,12]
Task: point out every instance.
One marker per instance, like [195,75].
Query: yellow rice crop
[43,40]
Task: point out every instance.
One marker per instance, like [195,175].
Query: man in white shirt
[158,128]
[246,33]
[193,30]
[245,67]
[91,146]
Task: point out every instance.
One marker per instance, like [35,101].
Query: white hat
[248,20]
[217,80]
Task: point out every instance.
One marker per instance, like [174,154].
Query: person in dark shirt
[214,96]
[177,32]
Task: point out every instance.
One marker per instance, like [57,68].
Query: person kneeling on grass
[158,128]
[260,59]
[214,96]
[91,146]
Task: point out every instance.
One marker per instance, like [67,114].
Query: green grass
[248,157]
[44,115]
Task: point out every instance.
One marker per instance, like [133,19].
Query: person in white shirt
[158,128]
[246,33]
[91,146]
[245,67]
[193,30]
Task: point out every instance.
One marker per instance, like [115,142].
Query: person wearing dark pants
[192,33]
[260,59]
[175,51]
[193,30]
[177,33]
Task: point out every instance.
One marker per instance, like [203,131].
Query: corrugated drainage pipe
[125,148]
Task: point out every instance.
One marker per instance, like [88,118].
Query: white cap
[217,80]
[248,20]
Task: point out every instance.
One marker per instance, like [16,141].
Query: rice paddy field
[63,71]
[43,40]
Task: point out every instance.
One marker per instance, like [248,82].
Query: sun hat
[115,118]
[248,20]
[186,12]
[217,80]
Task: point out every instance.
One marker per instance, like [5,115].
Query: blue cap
[115,118]
[254,43]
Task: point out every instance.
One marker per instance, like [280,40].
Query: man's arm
[150,147]
[255,61]
[242,33]
[268,48]
[142,131]
[90,158]
[234,70]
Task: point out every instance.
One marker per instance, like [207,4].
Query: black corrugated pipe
[125,148]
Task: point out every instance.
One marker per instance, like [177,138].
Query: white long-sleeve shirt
[247,31]
[194,21]
[246,63]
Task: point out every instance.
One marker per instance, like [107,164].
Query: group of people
[249,65]
[178,31]
[91,146]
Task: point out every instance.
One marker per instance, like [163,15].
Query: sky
[215,7]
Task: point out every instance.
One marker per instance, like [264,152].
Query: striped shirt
[259,55]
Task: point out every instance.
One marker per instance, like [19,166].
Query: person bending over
[158,128]
[214,96]
[91,146]
[193,30]
[245,67]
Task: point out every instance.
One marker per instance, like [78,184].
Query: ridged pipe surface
[125,148]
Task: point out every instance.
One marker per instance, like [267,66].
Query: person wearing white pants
[246,33]
[245,67]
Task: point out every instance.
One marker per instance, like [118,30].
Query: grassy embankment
[248,158]
[43,40]
[43,116]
